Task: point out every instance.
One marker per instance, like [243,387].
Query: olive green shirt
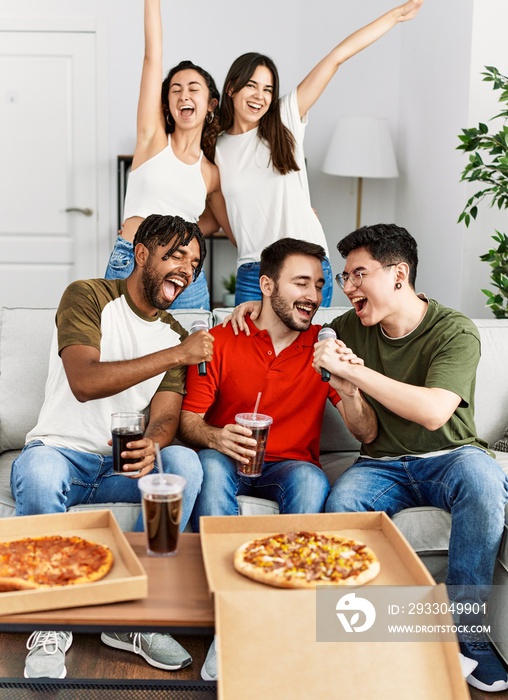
[443,351]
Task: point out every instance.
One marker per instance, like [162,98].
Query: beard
[284,311]
[152,284]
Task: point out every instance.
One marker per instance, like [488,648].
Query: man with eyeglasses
[419,374]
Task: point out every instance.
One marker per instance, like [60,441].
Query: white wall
[433,108]
[488,48]
[420,77]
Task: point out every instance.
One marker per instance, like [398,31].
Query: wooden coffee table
[178,601]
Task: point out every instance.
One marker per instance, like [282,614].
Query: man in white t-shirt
[115,348]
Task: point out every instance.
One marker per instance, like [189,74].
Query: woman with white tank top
[260,152]
[173,170]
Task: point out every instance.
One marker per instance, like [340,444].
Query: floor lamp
[361,147]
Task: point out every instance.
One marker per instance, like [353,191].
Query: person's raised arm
[151,133]
[313,85]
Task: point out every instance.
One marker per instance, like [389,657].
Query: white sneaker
[46,655]
[467,665]
[209,670]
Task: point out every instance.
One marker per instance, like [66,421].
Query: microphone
[323,334]
[199,325]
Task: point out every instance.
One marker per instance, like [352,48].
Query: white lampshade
[361,147]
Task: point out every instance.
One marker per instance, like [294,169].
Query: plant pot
[228,299]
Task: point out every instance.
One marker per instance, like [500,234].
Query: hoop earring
[210,117]
[398,285]
[168,120]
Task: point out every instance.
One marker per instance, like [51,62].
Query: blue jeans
[52,479]
[298,487]
[121,264]
[465,482]
[247,283]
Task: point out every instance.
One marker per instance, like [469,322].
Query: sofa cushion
[25,340]
[502,444]
[187,317]
[491,402]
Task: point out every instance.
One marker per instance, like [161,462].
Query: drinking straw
[257,403]
[158,461]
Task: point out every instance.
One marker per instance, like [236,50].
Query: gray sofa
[25,336]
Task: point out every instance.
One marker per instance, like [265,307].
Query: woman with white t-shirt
[173,170]
[260,153]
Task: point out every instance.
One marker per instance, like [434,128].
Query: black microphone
[199,325]
[323,334]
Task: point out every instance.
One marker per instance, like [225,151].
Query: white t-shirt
[263,205]
[100,313]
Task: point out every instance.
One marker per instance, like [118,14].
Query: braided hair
[157,230]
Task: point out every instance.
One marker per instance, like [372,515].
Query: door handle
[87,211]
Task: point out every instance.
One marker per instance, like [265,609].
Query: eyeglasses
[356,276]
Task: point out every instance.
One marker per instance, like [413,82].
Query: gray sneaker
[209,669]
[159,650]
[46,655]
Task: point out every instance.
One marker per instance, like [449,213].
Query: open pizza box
[126,580]
[267,637]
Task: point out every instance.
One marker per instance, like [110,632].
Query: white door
[48,164]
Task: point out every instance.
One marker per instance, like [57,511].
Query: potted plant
[492,173]
[229,284]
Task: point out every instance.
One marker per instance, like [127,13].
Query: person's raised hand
[409,10]
[237,317]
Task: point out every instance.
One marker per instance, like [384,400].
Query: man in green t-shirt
[419,373]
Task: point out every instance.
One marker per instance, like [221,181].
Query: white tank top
[263,205]
[165,185]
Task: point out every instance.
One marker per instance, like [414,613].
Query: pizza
[39,562]
[306,559]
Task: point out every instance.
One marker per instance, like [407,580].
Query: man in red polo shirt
[276,360]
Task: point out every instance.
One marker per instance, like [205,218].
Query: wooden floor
[90,658]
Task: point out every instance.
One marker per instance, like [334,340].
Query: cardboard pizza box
[267,637]
[221,535]
[127,579]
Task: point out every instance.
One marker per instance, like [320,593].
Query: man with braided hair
[115,348]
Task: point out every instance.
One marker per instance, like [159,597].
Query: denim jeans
[52,479]
[298,487]
[466,482]
[121,264]
[247,283]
